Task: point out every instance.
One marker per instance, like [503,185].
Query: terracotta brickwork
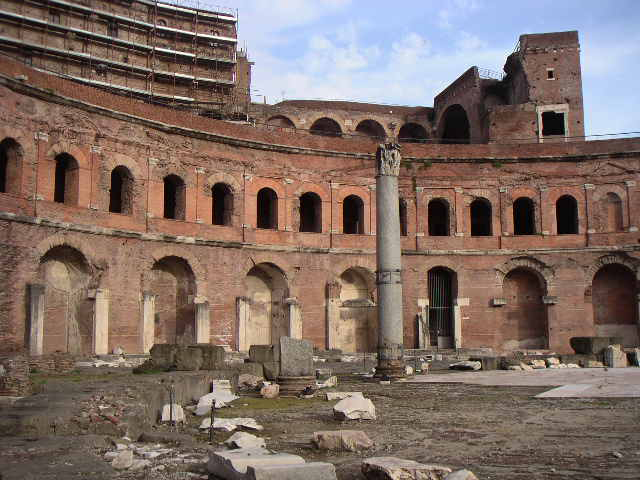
[80,278]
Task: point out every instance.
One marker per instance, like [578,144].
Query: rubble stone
[461,475]
[466,365]
[270,391]
[392,468]
[123,460]
[341,440]
[244,440]
[354,408]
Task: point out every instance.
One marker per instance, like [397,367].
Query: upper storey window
[112,29]
[480,211]
[54,17]
[267,209]
[402,211]
[523,217]
[222,208]
[353,215]
[66,180]
[310,212]
[551,74]
[552,124]
[121,191]
[567,215]
[438,217]
[10,165]
[174,197]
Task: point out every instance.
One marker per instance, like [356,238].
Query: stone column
[295,318]
[388,259]
[333,313]
[100,321]
[242,313]
[36,318]
[203,321]
[147,328]
[423,323]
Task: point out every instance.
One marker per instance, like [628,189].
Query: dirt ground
[497,432]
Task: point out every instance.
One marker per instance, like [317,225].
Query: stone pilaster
[100,321]
[388,258]
[36,319]
[147,327]
[203,321]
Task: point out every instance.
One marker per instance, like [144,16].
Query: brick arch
[74,150]
[616,258]
[174,251]
[545,274]
[222,177]
[62,240]
[111,160]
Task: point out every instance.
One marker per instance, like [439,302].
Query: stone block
[487,363]
[270,391]
[264,353]
[296,357]
[593,345]
[615,357]
[331,396]
[212,356]
[271,370]
[123,460]
[250,368]
[188,359]
[392,468]
[306,471]
[245,440]
[538,364]
[163,355]
[354,408]
[233,464]
[341,440]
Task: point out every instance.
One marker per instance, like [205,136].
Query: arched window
[10,165]
[613,212]
[523,217]
[66,180]
[402,210]
[174,197]
[121,191]
[310,213]
[455,125]
[412,133]
[222,208]
[326,126]
[353,215]
[267,209]
[438,217]
[480,211]
[371,128]
[567,215]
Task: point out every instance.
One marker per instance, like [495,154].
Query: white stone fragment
[354,408]
[342,395]
[230,424]
[244,440]
[123,460]
[178,413]
[392,468]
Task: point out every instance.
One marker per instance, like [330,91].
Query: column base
[292,386]
[393,369]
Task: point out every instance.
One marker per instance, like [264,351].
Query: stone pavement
[570,383]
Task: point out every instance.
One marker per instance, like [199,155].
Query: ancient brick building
[126,223]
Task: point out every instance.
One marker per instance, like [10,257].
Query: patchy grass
[257,403]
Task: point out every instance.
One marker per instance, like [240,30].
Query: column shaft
[36,319]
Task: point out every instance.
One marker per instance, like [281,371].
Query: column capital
[388,159]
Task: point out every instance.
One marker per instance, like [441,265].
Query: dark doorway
[480,211]
[267,209]
[438,217]
[456,125]
[353,215]
[222,208]
[440,307]
[10,165]
[310,213]
[567,215]
[523,217]
[412,133]
[120,194]
[174,197]
[371,128]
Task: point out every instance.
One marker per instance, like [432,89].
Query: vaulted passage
[438,217]
[222,208]
[357,329]
[412,133]
[10,166]
[68,312]
[525,315]
[326,126]
[267,205]
[280,121]
[353,215]
[267,318]
[371,128]
[523,217]
[455,127]
[121,191]
[66,187]
[310,212]
[567,215]
[441,307]
[480,212]
[173,283]
[615,303]
[174,197]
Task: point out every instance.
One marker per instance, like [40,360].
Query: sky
[406,51]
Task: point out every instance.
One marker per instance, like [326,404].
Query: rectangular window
[552,124]
[550,74]
[112,29]
[54,17]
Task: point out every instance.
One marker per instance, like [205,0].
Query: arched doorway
[280,121]
[438,217]
[524,222]
[222,204]
[353,215]
[371,128]
[68,312]
[441,314]
[412,133]
[327,127]
[615,304]
[455,125]
[480,217]
[525,315]
[267,314]
[310,212]
[357,325]
[174,286]
[267,209]
[121,191]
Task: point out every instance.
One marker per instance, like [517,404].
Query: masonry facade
[127,224]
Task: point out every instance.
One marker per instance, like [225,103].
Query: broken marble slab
[342,395]
[172,415]
[230,424]
[354,408]
[219,396]
[244,440]
[392,468]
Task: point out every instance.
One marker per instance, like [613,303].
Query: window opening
[480,211]
[310,213]
[567,215]
[66,179]
[353,215]
[120,194]
[174,198]
[267,209]
[222,204]
[552,124]
[523,217]
[438,218]
[402,207]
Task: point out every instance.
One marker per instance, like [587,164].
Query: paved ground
[571,382]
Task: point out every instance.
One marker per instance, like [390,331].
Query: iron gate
[440,305]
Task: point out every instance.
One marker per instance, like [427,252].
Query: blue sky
[405,52]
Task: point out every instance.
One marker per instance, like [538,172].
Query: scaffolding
[180,53]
